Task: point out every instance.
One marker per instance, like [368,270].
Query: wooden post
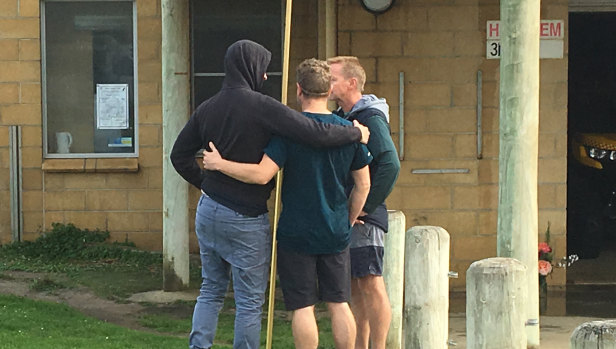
[176,110]
[594,334]
[519,136]
[426,297]
[327,33]
[327,28]
[393,274]
[495,304]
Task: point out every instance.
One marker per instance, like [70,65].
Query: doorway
[591,167]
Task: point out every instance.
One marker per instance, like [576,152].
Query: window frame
[46,153]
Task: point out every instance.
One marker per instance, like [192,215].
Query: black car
[592,193]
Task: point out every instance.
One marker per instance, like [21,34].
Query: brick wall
[440,46]
[128,204]
[20,104]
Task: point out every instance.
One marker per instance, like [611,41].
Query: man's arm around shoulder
[283,121]
[260,173]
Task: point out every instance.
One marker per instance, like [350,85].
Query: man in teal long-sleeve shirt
[370,303]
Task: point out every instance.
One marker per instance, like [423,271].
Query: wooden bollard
[426,298]
[393,274]
[496,295]
[594,334]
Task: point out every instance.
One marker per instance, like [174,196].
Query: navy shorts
[306,279]
[367,250]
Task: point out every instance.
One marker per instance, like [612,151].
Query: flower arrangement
[545,259]
[546,266]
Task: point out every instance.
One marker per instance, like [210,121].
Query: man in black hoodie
[232,223]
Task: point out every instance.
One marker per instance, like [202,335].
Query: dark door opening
[591,183]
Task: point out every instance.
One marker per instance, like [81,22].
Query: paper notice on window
[111,106]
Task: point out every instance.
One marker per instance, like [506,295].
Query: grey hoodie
[372,101]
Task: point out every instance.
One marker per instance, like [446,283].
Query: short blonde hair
[351,69]
[314,78]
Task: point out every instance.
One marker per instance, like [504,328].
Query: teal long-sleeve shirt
[385,166]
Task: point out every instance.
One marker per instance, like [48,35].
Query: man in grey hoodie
[369,300]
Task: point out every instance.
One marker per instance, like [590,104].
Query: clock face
[377,6]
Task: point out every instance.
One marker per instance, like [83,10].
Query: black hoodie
[240,121]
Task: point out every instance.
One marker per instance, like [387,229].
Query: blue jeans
[231,245]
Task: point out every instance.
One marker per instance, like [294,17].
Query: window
[217,24]
[89,74]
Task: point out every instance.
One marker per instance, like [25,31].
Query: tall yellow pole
[283,99]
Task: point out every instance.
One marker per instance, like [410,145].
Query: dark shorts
[367,250]
[305,279]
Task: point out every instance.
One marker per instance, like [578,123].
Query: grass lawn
[69,257]
[25,323]
[281,338]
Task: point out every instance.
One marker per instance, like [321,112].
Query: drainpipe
[519,137]
[17,219]
[176,110]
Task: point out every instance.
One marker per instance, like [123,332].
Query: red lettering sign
[548,29]
[544,29]
[555,29]
[493,30]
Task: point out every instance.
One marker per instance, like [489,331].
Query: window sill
[91,165]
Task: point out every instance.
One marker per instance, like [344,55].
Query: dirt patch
[125,313]
[80,298]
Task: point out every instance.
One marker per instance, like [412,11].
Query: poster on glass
[112,106]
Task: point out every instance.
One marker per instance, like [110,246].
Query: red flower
[545,267]
[544,248]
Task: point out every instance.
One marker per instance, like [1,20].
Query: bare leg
[304,326]
[361,320]
[343,325]
[377,311]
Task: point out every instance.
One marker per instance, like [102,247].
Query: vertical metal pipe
[479,114]
[401,114]
[17,222]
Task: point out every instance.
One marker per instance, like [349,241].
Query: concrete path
[555,330]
